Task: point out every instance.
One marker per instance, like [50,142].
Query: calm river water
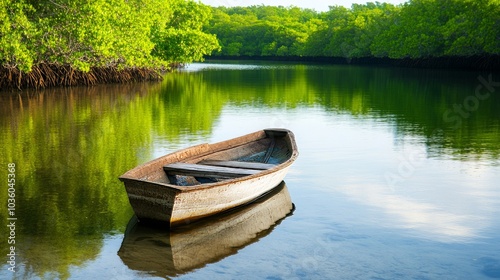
[398,175]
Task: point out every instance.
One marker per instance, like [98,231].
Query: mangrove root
[46,75]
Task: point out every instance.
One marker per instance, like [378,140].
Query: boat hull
[190,206]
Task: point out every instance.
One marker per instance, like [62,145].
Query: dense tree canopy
[102,33]
[262,30]
[416,29]
[183,39]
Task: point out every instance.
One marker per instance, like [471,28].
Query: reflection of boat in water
[169,253]
[208,179]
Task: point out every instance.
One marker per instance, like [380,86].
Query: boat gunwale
[288,134]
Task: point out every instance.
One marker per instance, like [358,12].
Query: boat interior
[238,161]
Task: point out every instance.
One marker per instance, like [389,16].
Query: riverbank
[47,75]
[481,63]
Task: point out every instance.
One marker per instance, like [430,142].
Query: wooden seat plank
[199,170]
[238,164]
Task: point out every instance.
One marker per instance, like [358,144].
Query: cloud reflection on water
[440,199]
[423,218]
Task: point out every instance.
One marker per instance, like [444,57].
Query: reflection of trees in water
[67,144]
[412,100]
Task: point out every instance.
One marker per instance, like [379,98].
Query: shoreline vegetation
[46,43]
[461,34]
[46,75]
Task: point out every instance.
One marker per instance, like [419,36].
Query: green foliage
[98,33]
[262,30]
[425,28]
[416,29]
[15,32]
[183,40]
[102,33]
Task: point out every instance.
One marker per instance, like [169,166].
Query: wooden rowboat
[206,179]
